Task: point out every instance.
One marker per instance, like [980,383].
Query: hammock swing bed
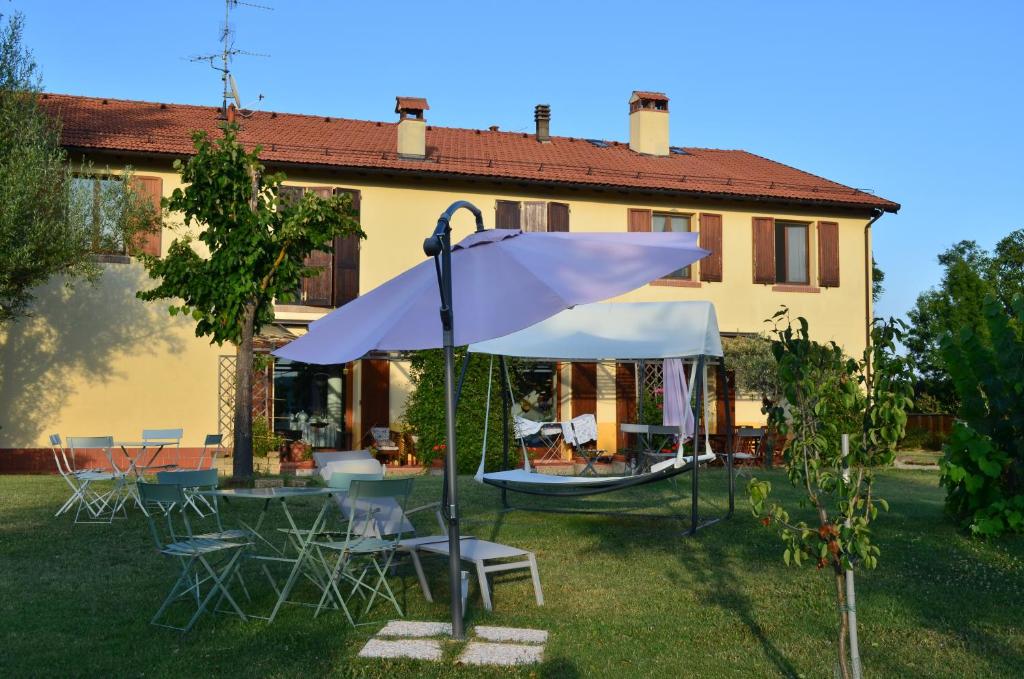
[624,332]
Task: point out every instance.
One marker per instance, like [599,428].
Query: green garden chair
[361,560]
[192,482]
[99,502]
[205,563]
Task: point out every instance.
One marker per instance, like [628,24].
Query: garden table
[652,439]
[140,447]
[299,539]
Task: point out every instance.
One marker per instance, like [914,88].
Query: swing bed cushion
[535,483]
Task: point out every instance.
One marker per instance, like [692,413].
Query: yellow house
[94,360]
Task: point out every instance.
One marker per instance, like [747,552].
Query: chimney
[542,116]
[648,123]
[412,128]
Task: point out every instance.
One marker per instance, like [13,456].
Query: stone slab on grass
[415,628]
[516,634]
[484,653]
[420,649]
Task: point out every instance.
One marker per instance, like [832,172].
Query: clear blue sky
[920,102]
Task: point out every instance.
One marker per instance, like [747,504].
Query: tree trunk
[844,666]
[241,466]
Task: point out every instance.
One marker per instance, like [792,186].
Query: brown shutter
[506,214]
[828,254]
[317,289]
[584,389]
[374,404]
[346,259]
[764,250]
[535,216]
[558,217]
[625,399]
[711,239]
[150,188]
[639,220]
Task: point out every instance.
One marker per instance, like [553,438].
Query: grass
[625,596]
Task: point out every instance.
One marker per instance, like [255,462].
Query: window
[791,248]
[309,403]
[531,215]
[536,391]
[664,222]
[99,202]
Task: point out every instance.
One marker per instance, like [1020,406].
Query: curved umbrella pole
[439,246]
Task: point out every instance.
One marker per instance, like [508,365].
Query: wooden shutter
[506,214]
[764,250]
[639,220]
[374,404]
[828,254]
[722,417]
[151,189]
[317,289]
[558,217]
[625,399]
[584,389]
[711,239]
[346,259]
[535,216]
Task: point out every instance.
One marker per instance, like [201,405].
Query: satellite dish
[234,91]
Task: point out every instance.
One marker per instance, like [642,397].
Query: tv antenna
[221,61]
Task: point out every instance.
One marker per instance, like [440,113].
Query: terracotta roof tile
[415,103]
[154,128]
[653,96]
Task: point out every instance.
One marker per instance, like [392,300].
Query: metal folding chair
[362,561]
[213,444]
[100,505]
[163,438]
[749,448]
[192,482]
[206,565]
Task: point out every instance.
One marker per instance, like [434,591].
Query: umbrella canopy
[505,281]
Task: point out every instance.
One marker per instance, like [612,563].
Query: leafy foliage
[824,395]
[970,273]
[877,281]
[46,228]
[756,370]
[425,410]
[983,469]
[256,245]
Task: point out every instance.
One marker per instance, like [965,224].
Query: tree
[49,224]
[877,280]
[755,366]
[970,274]
[826,395]
[983,466]
[257,244]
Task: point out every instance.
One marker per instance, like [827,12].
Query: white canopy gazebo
[638,331]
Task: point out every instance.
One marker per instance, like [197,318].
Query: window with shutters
[792,253]
[711,240]
[99,202]
[531,215]
[670,222]
[506,214]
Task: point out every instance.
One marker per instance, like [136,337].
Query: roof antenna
[229,88]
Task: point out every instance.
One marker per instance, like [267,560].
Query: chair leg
[485,589]
[535,574]
[416,564]
[185,575]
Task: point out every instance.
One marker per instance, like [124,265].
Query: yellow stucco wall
[97,361]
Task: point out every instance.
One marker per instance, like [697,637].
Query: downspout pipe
[868,282]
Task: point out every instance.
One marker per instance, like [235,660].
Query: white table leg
[420,576]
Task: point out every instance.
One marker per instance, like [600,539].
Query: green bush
[983,468]
[425,411]
[264,440]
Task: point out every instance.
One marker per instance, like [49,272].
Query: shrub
[425,410]
[983,468]
[922,439]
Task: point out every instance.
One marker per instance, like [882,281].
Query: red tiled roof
[415,103]
[652,96]
[153,128]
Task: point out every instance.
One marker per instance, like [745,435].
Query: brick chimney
[542,116]
[412,127]
[648,123]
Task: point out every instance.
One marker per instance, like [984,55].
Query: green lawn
[624,597]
